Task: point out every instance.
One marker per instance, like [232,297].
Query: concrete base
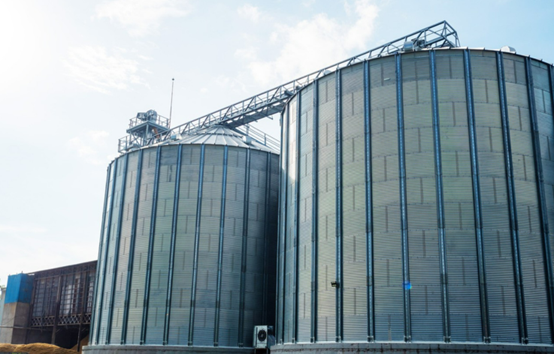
[161,349]
[14,322]
[410,348]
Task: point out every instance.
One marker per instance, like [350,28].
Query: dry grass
[35,348]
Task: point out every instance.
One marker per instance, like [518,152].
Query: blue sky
[73,72]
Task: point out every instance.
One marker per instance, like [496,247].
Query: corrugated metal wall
[426,216]
[187,253]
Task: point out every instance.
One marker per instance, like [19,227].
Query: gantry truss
[273,101]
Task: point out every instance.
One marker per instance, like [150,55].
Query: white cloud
[142,17]
[82,148]
[359,33]
[94,68]
[315,43]
[98,135]
[90,146]
[231,83]
[249,12]
[246,53]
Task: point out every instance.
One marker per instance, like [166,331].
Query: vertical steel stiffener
[403,202]
[338,206]
[220,249]
[440,200]
[369,206]
[131,251]
[520,302]
[100,248]
[116,252]
[485,329]
[315,183]
[150,248]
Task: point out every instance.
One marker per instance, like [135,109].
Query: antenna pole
[171,104]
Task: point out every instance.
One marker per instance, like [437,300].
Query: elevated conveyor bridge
[273,101]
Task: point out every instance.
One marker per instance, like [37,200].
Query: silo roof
[224,136]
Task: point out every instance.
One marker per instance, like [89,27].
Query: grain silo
[184,258]
[416,200]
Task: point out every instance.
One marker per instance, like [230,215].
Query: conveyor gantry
[273,101]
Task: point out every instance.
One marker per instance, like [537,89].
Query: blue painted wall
[19,289]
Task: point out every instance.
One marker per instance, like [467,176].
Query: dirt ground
[35,348]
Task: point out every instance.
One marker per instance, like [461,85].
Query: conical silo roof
[224,136]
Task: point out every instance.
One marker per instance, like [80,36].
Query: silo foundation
[159,349]
[408,348]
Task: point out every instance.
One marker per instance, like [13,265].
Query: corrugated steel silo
[185,255]
[416,195]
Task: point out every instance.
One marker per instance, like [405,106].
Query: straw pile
[35,348]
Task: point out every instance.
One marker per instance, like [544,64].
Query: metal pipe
[220,250]
[440,201]
[369,208]
[541,196]
[148,275]
[169,294]
[483,297]
[403,202]
[116,252]
[196,245]
[131,250]
[512,204]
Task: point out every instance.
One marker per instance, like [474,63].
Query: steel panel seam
[296,224]
[220,250]
[485,324]
[403,201]
[116,252]
[338,208]
[148,275]
[102,240]
[131,250]
[244,249]
[315,184]
[539,176]
[522,325]
[440,200]
[196,245]
[369,206]
[172,246]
